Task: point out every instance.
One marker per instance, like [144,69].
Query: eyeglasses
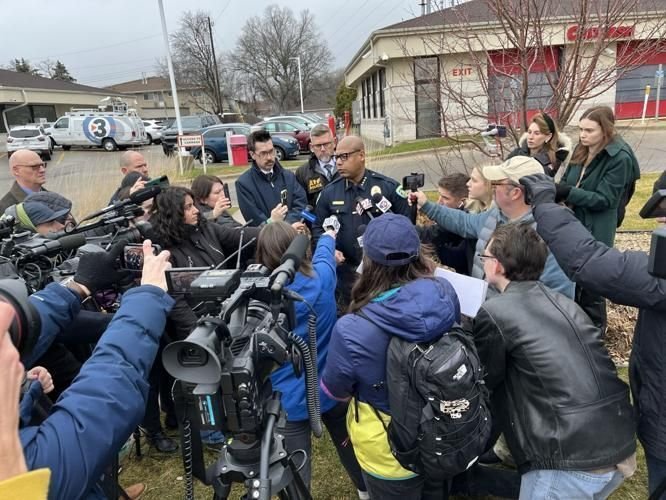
[323,145]
[484,256]
[35,166]
[344,156]
[265,154]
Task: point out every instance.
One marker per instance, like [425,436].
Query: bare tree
[266,51]
[194,62]
[503,58]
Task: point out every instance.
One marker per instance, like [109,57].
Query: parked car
[153,130]
[191,125]
[286,128]
[30,137]
[215,143]
[301,121]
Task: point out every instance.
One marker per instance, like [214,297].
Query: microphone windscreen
[72,241]
[296,250]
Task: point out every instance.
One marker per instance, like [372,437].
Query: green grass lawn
[632,220]
[224,169]
[419,145]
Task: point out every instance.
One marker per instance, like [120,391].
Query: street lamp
[300,80]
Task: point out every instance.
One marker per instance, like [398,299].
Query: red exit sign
[574,32]
[461,71]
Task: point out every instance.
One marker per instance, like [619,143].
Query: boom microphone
[35,247]
[136,198]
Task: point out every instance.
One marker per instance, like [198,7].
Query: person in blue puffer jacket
[399,295]
[315,282]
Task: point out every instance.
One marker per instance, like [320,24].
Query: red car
[279,127]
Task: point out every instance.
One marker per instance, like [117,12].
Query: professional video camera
[223,375]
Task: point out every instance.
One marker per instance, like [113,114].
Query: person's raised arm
[451,219]
[93,417]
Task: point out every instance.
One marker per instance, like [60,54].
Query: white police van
[110,127]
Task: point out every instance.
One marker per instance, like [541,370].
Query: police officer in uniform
[345,198]
[320,169]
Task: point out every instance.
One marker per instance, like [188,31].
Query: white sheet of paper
[471,291]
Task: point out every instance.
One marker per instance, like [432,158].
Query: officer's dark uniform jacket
[555,391]
[338,199]
[258,194]
[623,278]
[312,181]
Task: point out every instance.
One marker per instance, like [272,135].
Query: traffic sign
[659,73]
[190,141]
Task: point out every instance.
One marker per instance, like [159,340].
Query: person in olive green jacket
[601,170]
[598,181]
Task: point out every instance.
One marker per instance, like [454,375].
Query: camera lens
[192,356]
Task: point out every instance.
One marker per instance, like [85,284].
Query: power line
[95,49]
[221,12]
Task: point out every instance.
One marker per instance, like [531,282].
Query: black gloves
[97,271]
[561,192]
[539,188]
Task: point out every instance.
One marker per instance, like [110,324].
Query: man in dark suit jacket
[29,170]
[266,185]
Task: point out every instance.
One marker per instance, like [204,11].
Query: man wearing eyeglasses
[509,206]
[340,198]
[267,186]
[29,170]
[320,169]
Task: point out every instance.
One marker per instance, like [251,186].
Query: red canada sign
[574,32]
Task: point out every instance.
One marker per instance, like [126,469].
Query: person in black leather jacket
[556,394]
[623,278]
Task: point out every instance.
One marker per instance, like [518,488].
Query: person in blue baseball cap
[42,212]
[395,295]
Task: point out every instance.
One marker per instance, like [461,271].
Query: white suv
[153,131]
[32,137]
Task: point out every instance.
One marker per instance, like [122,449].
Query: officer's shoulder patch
[400,192]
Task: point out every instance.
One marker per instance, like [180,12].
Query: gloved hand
[561,192]
[539,188]
[101,270]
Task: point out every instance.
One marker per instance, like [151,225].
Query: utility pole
[300,80]
[218,91]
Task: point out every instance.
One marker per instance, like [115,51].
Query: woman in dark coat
[213,200]
[193,242]
[545,143]
[594,185]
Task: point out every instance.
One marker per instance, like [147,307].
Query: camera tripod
[264,466]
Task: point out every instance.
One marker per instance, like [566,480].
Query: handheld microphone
[363,206]
[380,201]
[307,215]
[360,231]
[332,223]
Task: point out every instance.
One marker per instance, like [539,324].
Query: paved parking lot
[89,176]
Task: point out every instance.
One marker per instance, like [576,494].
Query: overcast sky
[112,42]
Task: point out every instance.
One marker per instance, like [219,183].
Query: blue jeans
[568,485]
[656,473]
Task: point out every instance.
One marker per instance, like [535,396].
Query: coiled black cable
[187,459]
[311,382]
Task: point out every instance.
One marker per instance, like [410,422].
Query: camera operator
[42,212]
[91,421]
[315,282]
[15,480]
[192,242]
[623,278]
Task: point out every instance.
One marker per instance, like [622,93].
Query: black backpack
[440,417]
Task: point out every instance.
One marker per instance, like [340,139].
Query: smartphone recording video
[132,258]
